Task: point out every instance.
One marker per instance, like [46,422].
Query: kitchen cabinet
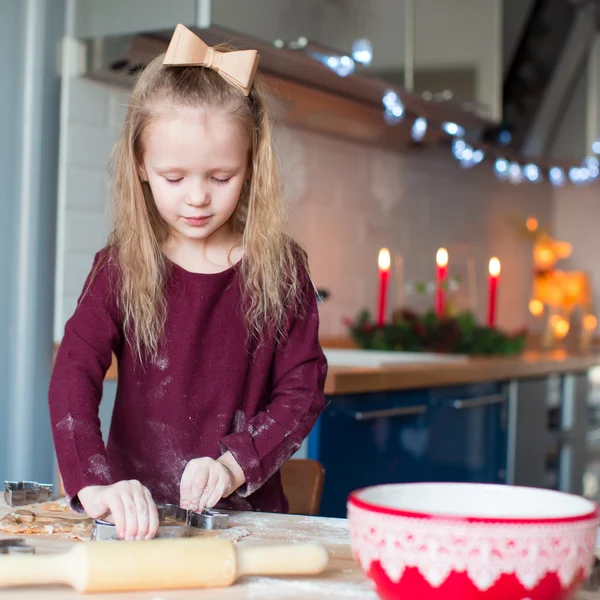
[529,431]
[95,19]
[453,46]
[468,429]
[591,478]
[548,432]
[456,433]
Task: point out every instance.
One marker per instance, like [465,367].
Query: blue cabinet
[438,434]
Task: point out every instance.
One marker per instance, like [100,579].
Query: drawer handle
[481,401]
[391,412]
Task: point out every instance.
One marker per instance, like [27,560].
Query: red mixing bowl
[467,541]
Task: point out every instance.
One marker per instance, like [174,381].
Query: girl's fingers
[218,492]
[141,511]
[128,504]
[209,490]
[198,487]
[185,487]
[152,515]
[94,501]
[131,520]
[117,513]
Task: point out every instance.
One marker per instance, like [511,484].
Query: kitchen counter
[354,380]
[343,578]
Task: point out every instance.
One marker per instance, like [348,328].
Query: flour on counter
[268,587]
[291,528]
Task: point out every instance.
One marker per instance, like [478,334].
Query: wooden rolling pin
[159,564]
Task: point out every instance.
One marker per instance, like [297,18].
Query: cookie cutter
[20,493]
[172,512]
[104,531]
[15,546]
[209,519]
[181,518]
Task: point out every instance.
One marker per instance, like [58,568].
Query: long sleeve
[91,336]
[299,370]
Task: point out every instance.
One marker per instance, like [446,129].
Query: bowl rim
[354,500]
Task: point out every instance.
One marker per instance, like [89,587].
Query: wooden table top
[343,578]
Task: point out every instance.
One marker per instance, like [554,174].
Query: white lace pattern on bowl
[484,551]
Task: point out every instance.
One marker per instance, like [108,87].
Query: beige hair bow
[237,68]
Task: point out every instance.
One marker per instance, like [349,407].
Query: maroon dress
[208,392]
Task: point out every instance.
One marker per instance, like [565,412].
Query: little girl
[204,300]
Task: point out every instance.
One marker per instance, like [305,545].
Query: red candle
[384,262]
[494,270]
[441,272]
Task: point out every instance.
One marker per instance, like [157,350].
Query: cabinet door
[449,434]
[370,439]
[468,428]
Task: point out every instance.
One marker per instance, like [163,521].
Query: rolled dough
[42,519]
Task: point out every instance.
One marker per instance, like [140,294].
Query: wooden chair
[302,481]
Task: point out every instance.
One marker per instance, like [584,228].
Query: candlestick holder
[413,285]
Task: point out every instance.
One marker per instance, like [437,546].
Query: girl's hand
[127,503]
[205,481]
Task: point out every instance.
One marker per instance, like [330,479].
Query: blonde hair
[272,263]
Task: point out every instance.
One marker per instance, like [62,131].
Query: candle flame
[441,258]
[494,267]
[590,322]
[536,307]
[531,224]
[384,260]
[560,326]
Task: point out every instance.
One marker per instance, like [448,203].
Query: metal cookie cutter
[209,519]
[169,527]
[15,546]
[20,493]
[104,531]
[173,512]
[174,522]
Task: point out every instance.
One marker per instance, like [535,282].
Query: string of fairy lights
[467,152]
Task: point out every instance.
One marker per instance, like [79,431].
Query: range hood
[314,97]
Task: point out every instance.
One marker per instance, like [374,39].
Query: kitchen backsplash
[346,202]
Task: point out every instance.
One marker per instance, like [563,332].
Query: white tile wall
[358,199]
[96,113]
[346,201]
